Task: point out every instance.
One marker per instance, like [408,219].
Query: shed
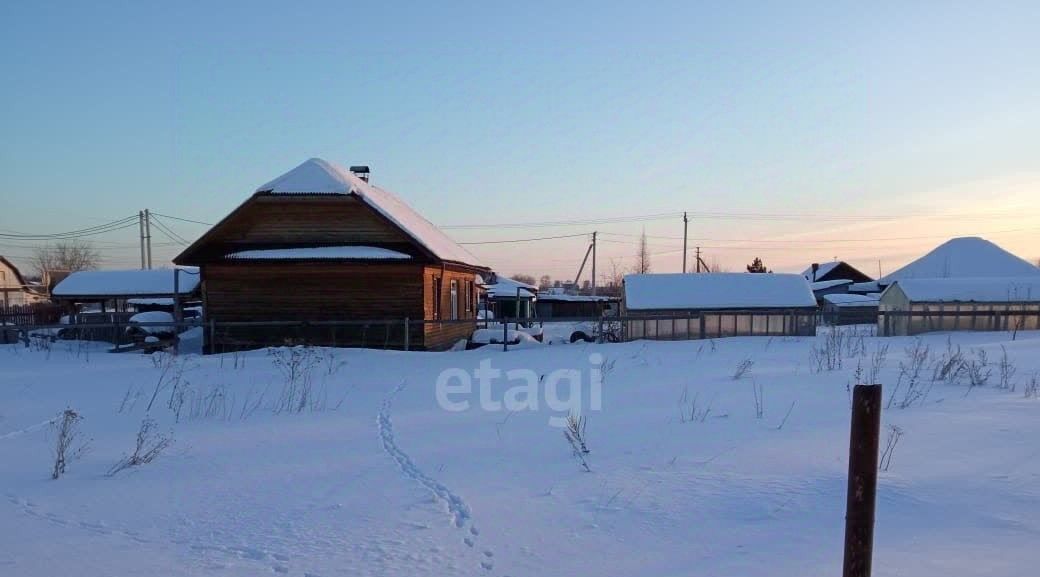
[114,289]
[559,305]
[725,304]
[850,309]
[353,253]
[918,305]
[509,298]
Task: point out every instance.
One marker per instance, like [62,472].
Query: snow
[964,257]
[493,335]
[506,287]
[557,297]
[851,300]
[321,252]
[153,317]
[865,287]
[824,268]
[116,283]
[318,176]
[716,291]
[991,290]
[388,483]
[826,284]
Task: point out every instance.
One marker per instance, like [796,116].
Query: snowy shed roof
[507,287]
[989,289]
[964,257]
[127,283]
[321,253]
[717,291]
[851,300]
[318,176]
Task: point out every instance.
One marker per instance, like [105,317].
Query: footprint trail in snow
[461,515]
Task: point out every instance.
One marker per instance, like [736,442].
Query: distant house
[918,305]
[723,304]
[14,290]
[320,243]
[834,271]
[509,298]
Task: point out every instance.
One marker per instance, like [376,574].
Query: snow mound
[969,256]
[991,290]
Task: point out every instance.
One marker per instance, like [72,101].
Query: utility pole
[685,221]
[594,263]
[140,225]
[698,259]
[148,235]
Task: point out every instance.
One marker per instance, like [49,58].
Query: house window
[469,297]
[454,300]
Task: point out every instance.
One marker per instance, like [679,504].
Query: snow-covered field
[689,476]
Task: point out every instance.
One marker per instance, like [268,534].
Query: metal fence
[407,334]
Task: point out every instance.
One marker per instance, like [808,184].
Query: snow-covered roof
[850,300]
[317,176]
[989,289]
[717,291]
[118,283]
[560,297]
[320,252]
[824,268]
[971,257]
[826,284]
[506,287]
[865,287]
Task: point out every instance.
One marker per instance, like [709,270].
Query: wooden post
[505,335]
[864,438]
[406,334]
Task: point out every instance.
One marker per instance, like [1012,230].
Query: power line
[527,239]
[608,220]
[183,219]
[818,241]
[91,231]
[167,232]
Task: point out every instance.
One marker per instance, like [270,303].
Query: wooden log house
[320,243]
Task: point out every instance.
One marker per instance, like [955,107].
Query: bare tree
[545,282]
[642,265]
[716,265]
[525,278]
[612,277]
[66,255]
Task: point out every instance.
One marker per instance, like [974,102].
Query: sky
[791,131]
